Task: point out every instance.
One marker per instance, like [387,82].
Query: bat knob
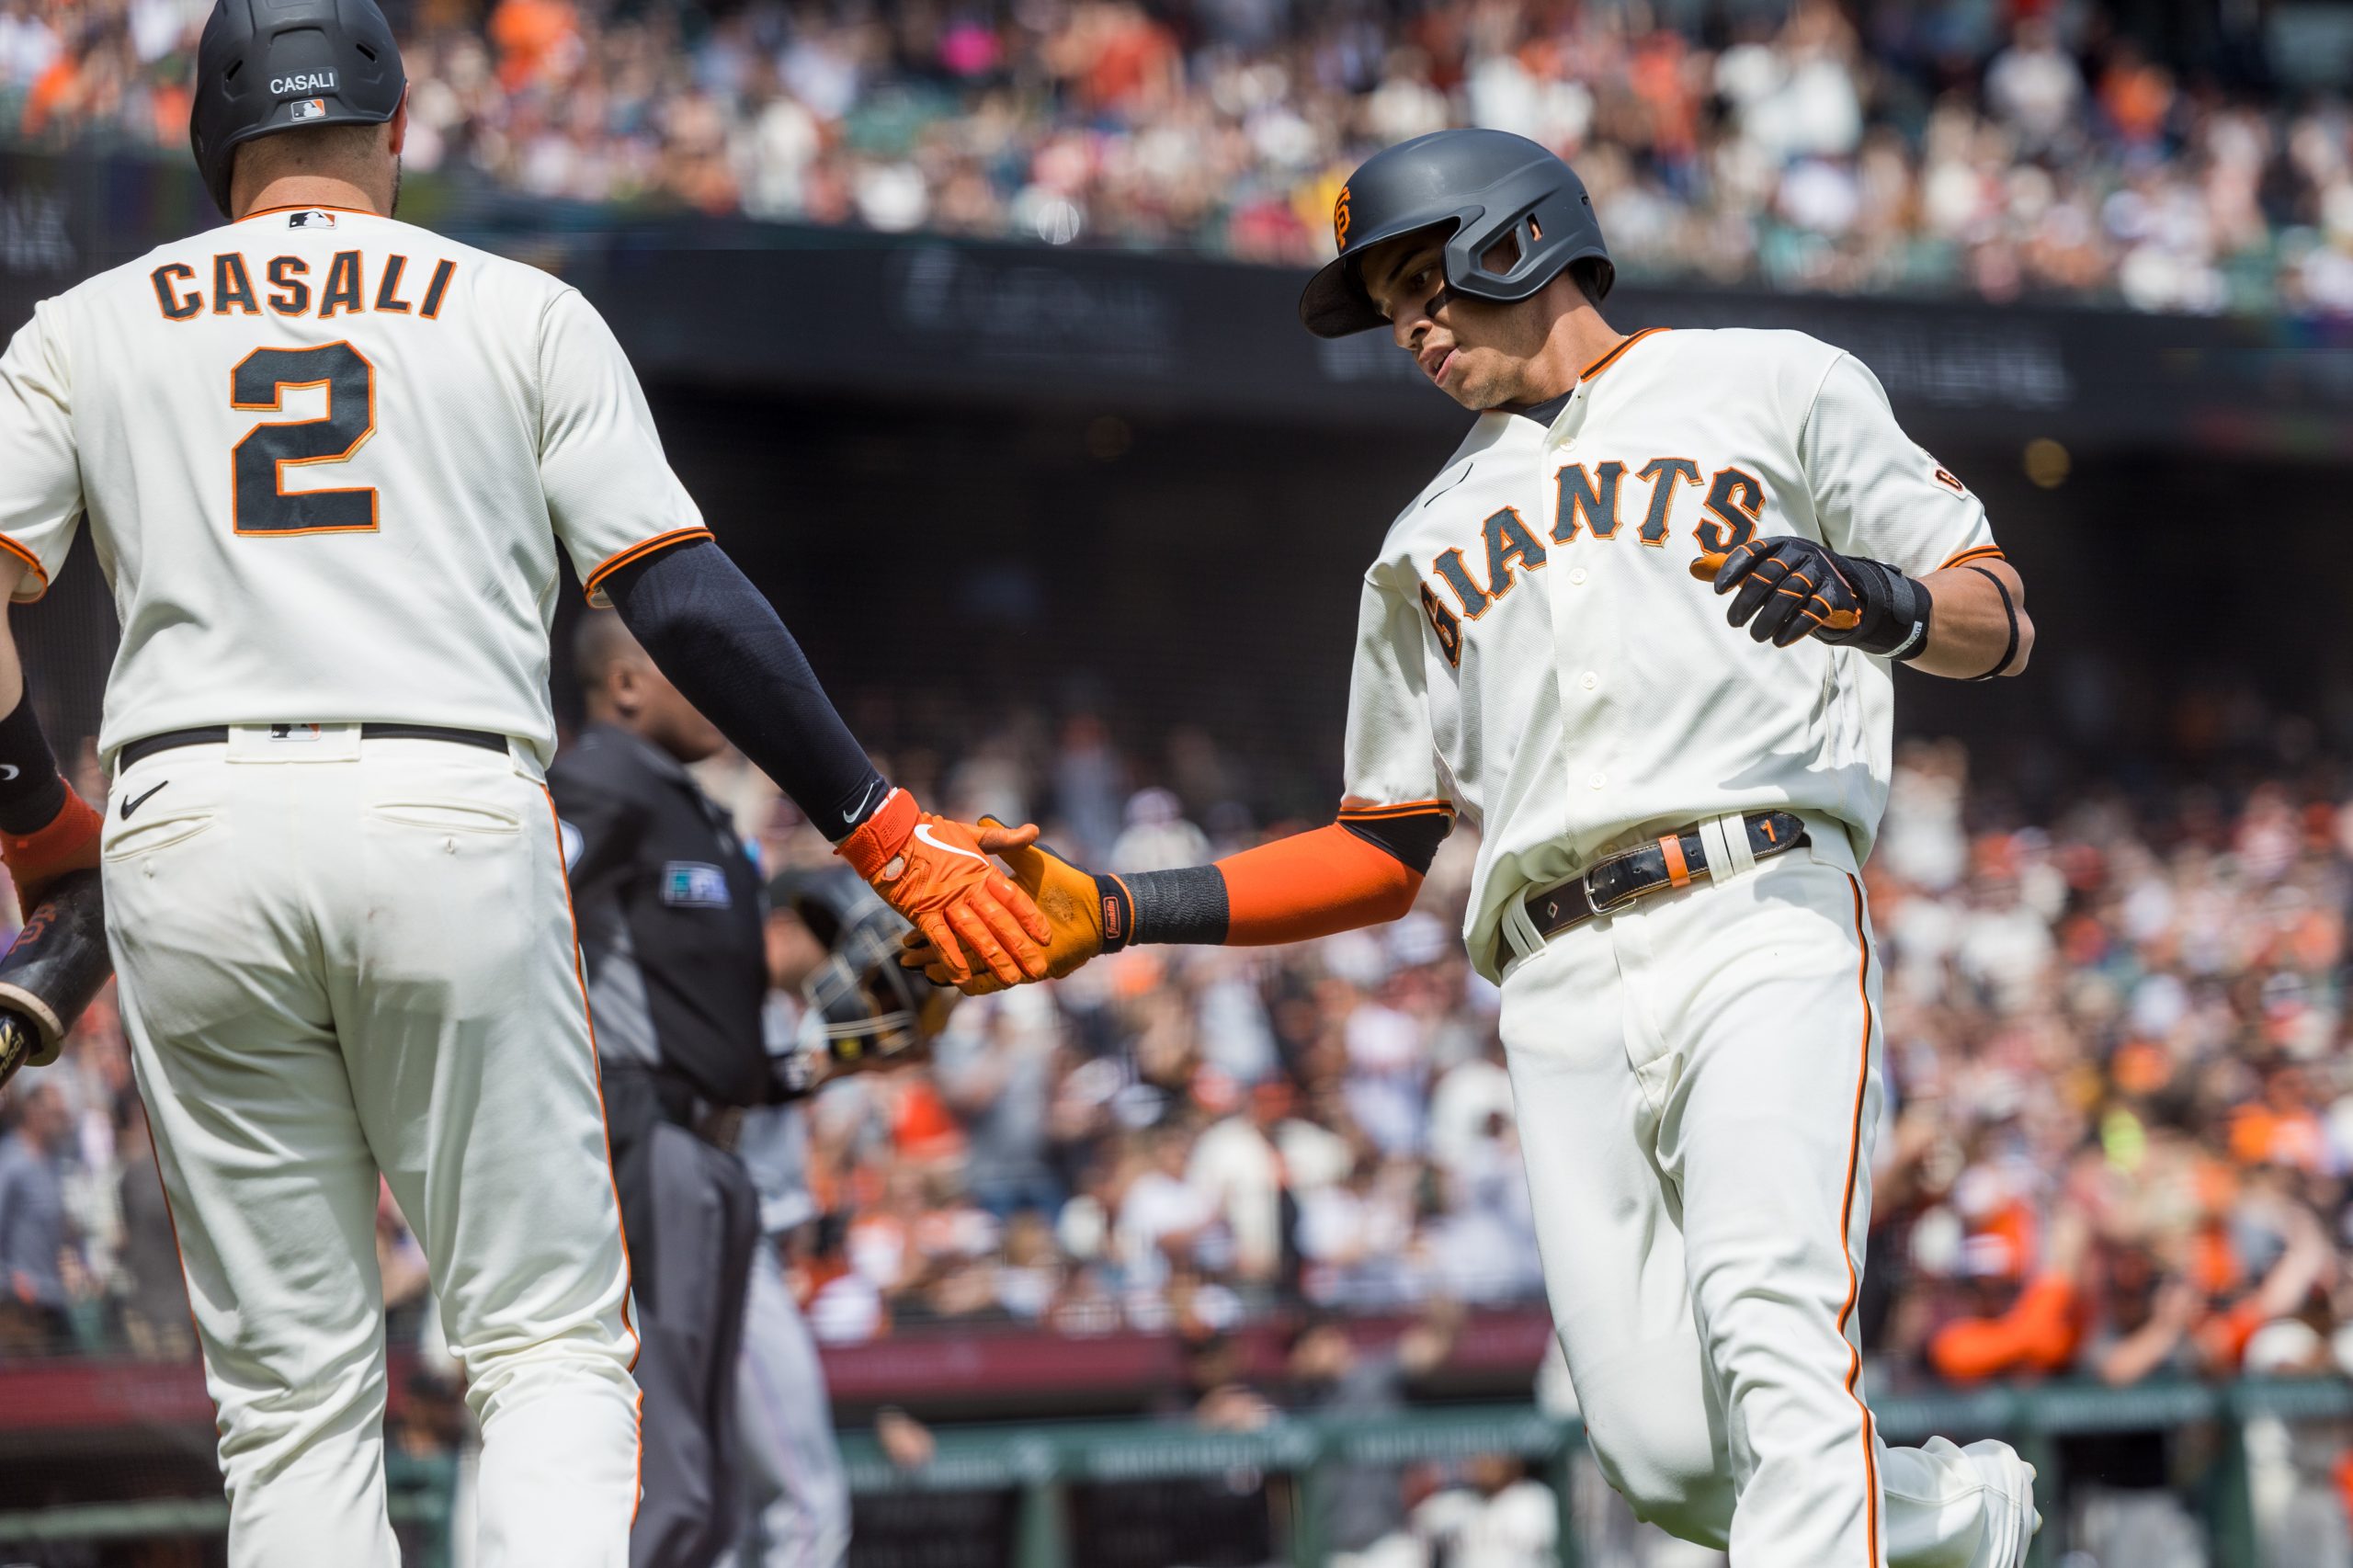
[20,1037]
[1707,563]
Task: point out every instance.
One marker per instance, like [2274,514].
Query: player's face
[1476,351]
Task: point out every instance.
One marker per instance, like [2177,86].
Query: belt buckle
[1616,901]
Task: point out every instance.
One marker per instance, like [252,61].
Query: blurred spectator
[34,1256]
[154,1292]
[1781,146]
[1238,1168]
[1331,1376]
[995,1072]
[1499,1518]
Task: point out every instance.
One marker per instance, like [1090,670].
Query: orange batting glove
[1065,894]
[931,870]
[68,843]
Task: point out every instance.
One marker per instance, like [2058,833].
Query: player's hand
[1065,895]
[68,843]
[931,870]
[1783,588]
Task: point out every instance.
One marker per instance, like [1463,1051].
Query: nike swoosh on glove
[931,870]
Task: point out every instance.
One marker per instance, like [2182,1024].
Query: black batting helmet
[269,65]
[1484,185]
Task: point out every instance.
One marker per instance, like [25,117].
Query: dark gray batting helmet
[269,65]
[1483,185]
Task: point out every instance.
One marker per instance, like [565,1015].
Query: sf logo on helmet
[1340,220]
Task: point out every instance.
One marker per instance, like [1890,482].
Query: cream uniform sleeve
[611,493]
[41,473]
[1391,757]
[1876,492]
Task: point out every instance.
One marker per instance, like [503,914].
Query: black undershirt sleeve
[1410,837]
[722,646]
[31,793]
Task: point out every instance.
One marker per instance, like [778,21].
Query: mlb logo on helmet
[310,108]
[1340,220]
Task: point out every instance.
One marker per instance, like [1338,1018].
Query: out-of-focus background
[969,323]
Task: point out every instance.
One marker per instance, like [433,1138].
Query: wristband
[1187,906]
[1115,911]
[1895,610]
[2010,648]
[881,837]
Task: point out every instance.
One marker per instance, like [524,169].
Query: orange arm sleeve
[1313,884]
[2038,1333]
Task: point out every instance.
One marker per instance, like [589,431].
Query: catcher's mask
[863,999]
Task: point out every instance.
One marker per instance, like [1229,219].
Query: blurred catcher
[332,465]
[837,1005]
[1676,782]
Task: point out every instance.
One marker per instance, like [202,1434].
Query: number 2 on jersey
[258,463]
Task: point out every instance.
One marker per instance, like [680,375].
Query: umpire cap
[265,66]
[1484,185]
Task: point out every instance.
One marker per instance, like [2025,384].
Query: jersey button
[1576,576]
[1590,680]
[1597,781]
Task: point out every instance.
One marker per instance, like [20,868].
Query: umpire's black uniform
[671,922]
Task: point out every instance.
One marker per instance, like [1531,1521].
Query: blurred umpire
[670,912]
[674,938]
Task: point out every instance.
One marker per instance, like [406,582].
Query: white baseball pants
[1698,1086]
[796,1495]
[338,958]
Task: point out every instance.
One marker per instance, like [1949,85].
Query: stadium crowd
[2119,1138]
[2024,149]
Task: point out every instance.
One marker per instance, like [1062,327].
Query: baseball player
[797,1511]
[330,462]
[1641,628]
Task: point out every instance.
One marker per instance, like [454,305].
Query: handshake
[1064,896]
[974,928]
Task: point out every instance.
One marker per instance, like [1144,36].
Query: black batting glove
[1787,588]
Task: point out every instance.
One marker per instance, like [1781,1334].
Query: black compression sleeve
[31,794]
[722,645]
[1187,905]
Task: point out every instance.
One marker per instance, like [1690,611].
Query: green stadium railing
[1039,1462]
[420,1494]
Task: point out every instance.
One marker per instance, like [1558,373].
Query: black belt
[218,735]
[1671,860]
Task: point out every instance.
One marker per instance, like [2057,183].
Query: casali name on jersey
[284,285]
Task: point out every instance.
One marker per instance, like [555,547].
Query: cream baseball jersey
[1533,649]
[327,459]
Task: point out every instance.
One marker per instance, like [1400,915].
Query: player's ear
[625,687]
[399,125]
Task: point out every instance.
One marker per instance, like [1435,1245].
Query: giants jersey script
[1533,649]
[327,458]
